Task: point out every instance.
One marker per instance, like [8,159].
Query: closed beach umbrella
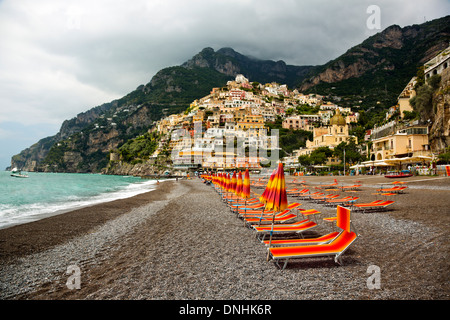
[233,182]
[246,185]
[221,180]
[238,190]
[263,197]
[245,193]
[228,185]
[277,198]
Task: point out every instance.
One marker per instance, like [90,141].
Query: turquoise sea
[29,199]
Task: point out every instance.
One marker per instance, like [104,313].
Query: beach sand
[181,241]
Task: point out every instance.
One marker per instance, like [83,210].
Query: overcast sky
[60,58]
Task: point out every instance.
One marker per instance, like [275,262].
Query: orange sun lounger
[303,241]
[298,192]
[322,198]
[242,202]
[285,216]
[296,227]
[315,195]
[282,217]
[353,187]
[307,195]
[396,189]
[377,205]
[330,185]
[258,210]
[342,201]
[335,248]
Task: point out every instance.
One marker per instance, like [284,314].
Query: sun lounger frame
[337,256]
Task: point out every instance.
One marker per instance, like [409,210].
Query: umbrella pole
[245,211]
[260,218]
[270,240]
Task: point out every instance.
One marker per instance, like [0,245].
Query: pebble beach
[182,242]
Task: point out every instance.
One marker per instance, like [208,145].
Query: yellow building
[408,142]
[199,116]
[331,136]
[407,93]
[251,122]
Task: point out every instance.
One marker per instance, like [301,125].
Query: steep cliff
[378,69]
[440,129]
[229,62]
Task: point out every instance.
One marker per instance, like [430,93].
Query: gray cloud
[59,58]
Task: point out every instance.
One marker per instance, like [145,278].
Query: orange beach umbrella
[263,197]
[233,182]
[238,190]
[246,185]
[277,198]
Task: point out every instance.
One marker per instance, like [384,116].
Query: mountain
[84,142]
[374,71]
[229,62]
[379,68]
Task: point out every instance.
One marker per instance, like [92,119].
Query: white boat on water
[18,173]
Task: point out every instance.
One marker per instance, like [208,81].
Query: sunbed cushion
[336,246]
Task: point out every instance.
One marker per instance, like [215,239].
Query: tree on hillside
[422,102]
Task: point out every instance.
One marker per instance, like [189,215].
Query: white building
[437,64]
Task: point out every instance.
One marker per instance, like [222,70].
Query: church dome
[338,119]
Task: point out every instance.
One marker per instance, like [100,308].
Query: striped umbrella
[264,195]
[277,198]
[238,190]
[246,185]
[221,180]
[226,186]
[245,194]
[233,182]
[228,182]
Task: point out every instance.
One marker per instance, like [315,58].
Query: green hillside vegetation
[290,139]
[175,88]
[392,65]
[140,148]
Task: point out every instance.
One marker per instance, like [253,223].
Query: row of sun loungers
[333,244]
[334,200]
[276,229]
[273,228]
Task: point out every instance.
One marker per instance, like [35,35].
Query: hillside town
[229,129]
[200,137]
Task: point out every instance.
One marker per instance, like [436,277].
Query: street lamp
[344,162]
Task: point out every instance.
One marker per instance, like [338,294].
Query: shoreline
[54,228]
[83,202]
[180,242]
